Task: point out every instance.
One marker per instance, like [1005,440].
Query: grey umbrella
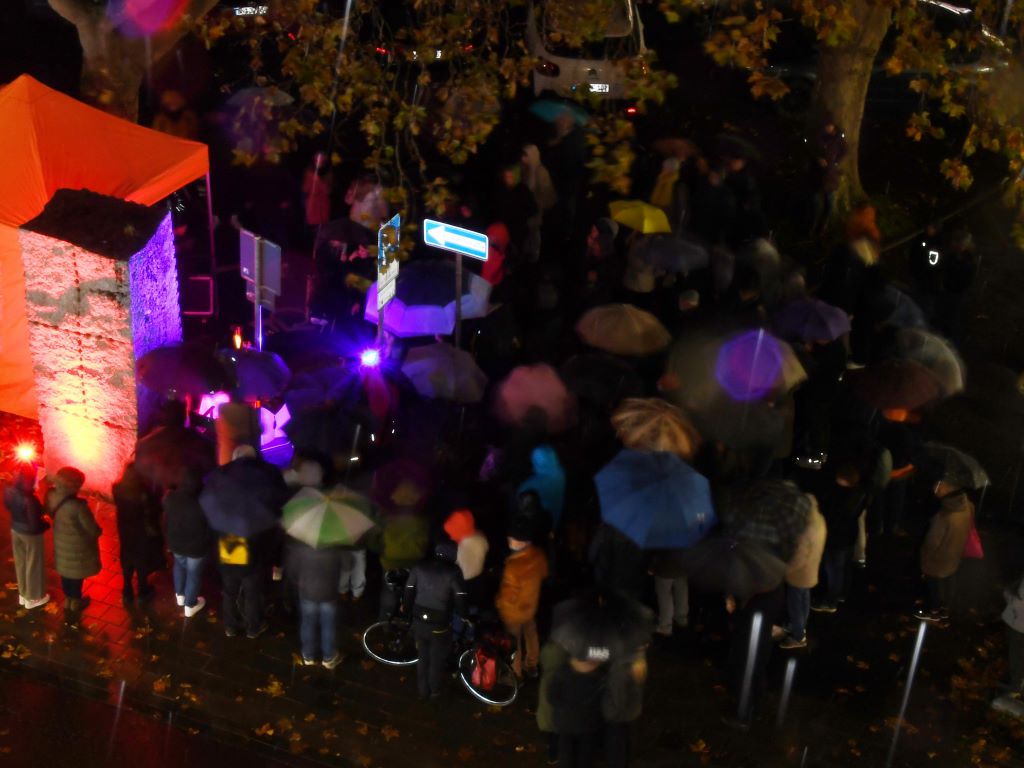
[673,254]
[935,353]
[958,468]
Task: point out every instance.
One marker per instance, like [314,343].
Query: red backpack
[484,670]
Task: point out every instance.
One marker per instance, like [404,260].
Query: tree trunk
[843,74]
[113,63]
[113,67]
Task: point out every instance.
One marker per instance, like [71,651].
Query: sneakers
[230,632]
[823,608]
[21,600]
[308,662]
[332,662]
[200,604]
[30,604]
[276,573]
[258,631]
[180,600]
[664,631]
[934,616]
[790,642]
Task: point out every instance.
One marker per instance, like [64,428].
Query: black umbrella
[894,384]
[673,254]
[167,453]
[741,425]
[600,379]
[244,497]
[601,627]
[734,566]
[334,385]
[306,350]
[327,429]
[260,375]
[183,369]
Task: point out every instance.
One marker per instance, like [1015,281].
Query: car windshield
[620,34]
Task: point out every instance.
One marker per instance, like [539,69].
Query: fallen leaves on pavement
[273,688]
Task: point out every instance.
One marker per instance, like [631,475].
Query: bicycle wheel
[390,643]
[505,688]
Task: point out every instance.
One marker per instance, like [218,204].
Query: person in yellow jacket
[525,569]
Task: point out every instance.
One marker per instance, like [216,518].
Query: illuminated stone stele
[101,290]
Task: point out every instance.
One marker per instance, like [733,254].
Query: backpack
[485,673]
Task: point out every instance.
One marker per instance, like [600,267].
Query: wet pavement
[189,681]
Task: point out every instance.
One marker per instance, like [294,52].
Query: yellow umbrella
[622,329]
[641,216]
[651,424]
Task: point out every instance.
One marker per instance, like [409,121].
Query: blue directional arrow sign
[456,239]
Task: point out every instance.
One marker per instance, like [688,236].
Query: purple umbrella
[811,320]
[749,366]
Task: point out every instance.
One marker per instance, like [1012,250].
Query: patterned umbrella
[335,518]
[622,329]
[424,302]
[443,372]
[535,392]
[652,424]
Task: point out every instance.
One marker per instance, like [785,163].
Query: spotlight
[25,452]
[369,358]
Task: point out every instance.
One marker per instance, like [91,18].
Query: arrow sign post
[461,242]
[388,237]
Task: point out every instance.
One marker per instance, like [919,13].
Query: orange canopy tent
[49,142]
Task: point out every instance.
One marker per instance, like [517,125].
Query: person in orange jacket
[525,569]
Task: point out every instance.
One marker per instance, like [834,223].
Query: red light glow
[25,452]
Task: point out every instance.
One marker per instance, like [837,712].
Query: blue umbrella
[655,499]
[424,302]
[811,320]
[243,497]
[550,110]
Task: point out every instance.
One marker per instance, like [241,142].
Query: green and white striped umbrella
[335,518]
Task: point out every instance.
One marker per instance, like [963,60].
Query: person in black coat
[315,573]
[27,529]
[619,565]
[576,691]
[841,503]
[138,528]
[434,592]
[189,538]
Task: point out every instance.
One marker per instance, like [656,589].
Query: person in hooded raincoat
[76,536]
[27,544]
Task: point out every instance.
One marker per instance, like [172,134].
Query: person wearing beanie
[525,569]
[76,538]
[472,545]
[27,545]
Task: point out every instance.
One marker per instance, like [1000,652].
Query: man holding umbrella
[242,501]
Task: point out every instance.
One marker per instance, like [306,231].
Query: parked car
[597,66]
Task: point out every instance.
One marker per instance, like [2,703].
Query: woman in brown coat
[75,539]
[943,548]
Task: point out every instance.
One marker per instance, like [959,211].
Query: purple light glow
[369,358]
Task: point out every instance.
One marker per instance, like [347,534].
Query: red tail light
[630,110]
[382,51]
[548,68]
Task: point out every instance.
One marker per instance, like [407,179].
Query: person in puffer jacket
[526,567]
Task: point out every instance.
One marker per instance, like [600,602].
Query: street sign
[249,244]
[456,239]
[388,237]
[386,285]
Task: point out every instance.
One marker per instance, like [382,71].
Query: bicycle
[482,658]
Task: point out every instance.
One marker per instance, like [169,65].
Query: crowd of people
[808,464]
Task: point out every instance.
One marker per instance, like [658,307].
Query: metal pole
[256,294]
[748,672]
[922,627]
[209,224]
[458,301]
[381,267]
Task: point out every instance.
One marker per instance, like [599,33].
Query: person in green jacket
[76,538]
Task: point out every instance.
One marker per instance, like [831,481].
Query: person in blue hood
[547,481]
